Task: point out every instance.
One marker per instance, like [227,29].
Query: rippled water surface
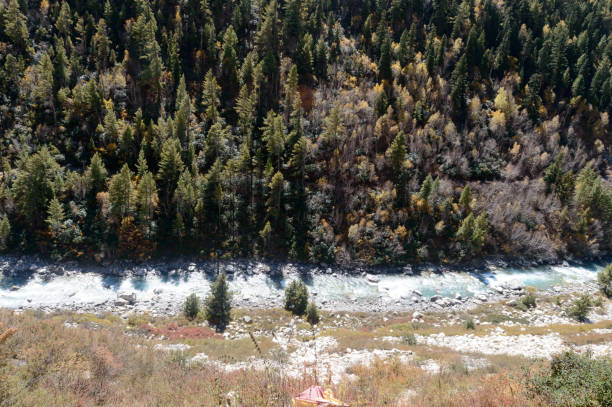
[88,287]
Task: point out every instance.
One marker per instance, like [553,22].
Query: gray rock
[14,288]
[458,296]
[417,315]
[247,319]
[512,303]
[435,298]
[372,279]
[129,297]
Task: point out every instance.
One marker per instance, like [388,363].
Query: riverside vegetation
[368,131]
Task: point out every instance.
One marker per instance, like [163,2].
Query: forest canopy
[354,131]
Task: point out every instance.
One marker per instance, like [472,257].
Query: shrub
[470,324]
[409,339]
[528,301]
[604,280]
[312,314]
[191,308]
[218,303]
[580,308]
[572,379]
[296,297]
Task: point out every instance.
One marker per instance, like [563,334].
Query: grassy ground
[69,359]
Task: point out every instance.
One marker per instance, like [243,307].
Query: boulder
[120,302]
[129,297]
[435,298]
[14,288]
[458,297]
[417,315]
[247,319]
[372,279]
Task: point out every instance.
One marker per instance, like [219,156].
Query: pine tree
[64,22]
[210,100]
[146,197]
[229,69]
[274,203]
[296,297]
[273,134]
[191,307]
[465,200]
[15,25]
[183,113]
[5,231]
[55,217]
[97,174]
[218,303]
[245,107]
[268,43]
[397,153]
[101,45]
[459,87]
[121,194]
[170,168]
[406,46]
[384,63]
[320,59]
[38,180]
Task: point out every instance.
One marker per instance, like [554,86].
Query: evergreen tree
[121,195]
[38,180]
[296,297]
[384,64]
[229,69]
[146,197]
[218,303]
[191,307]
[458,93]
[170,168]
[97,174]
[15,25]
[210,100]
[273,134]
[5,231]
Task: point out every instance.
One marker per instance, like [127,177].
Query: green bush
[312,314]
[580,308]
[296,297]
[572,379]
[218,303]
[470,324]
[527,301]
[604,280]
[409,339]
[191,308]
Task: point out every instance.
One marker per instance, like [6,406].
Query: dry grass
[105,361]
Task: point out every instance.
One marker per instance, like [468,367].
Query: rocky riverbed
[159,288]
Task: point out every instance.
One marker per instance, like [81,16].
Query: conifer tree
[218,303]
[121,195]
[210,100]
[384,64]
[170,168]
[15,25]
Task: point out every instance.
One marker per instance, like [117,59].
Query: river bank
[159,288]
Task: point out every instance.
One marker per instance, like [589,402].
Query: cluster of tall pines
[344,131]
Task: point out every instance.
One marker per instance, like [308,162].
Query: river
[74,287]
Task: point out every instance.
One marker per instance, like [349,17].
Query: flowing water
[31,289]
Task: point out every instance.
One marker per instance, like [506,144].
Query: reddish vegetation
[173,331]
